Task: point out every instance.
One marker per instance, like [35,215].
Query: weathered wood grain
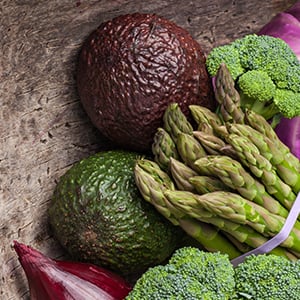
[43,129]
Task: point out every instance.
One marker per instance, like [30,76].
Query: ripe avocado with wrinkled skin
[99,216]
[131,68]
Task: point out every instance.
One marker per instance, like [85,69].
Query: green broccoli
[269,277]
[258,85]
[191,274]
[276,67]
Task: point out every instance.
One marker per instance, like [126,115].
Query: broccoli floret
[267,54]
[288,102]
[269,277]
[191,274]
[257,91]
[225,54]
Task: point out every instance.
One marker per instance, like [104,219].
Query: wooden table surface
[43,128]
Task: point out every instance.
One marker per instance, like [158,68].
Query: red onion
[288,130]
[51,279]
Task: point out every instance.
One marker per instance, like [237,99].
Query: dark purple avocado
[131,68]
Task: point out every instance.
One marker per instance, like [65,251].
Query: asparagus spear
[227,96]
[232,173]
[187,202]
[233,207]
[206,184]
[189,148]
[267,148]
[204,115]
[181,174]
[213,144]
[259,123]
[261,167]
[152,182]
[163,148]
[175,122]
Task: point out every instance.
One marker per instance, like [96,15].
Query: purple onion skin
[294,10]
[288,130]
[50,279]
[286,25]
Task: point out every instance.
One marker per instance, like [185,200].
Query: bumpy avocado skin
[131,68]
[99,216]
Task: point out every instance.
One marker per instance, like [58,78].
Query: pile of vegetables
[266,73]
[194,274]
[190,273]
[229,178]
[230,183]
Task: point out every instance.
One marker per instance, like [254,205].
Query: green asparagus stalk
[243,247]
[187,202]
[163,148]
[209,236]
[259,123]
[205,127]
[211,143]
[189,149]
[181,174]
[175,122]
[204,115]
[261,167]
[233,174]
[227,96]
[233,207]
[283,167]
[152,182]
[206,184]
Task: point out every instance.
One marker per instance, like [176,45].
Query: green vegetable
[227,96]
[190,274]
[202,115]
[175,122]
[232,174]
[205,184]
[268,152]
[256,90]
[163,148]
[98,215]
[262,168]
[259,123]
[266,73]
[190,204]
[211,143]
[267,277]
[189,149]
[181,174]
[152,183]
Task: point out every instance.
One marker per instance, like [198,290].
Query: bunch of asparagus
[229,183]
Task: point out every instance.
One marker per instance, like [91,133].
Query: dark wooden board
[43,128]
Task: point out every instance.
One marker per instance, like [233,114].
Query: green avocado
[99,216]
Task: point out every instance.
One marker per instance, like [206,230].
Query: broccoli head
[269,277]
[276,66]
[191,274]
[287,102]
[225,54]
[258,85]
